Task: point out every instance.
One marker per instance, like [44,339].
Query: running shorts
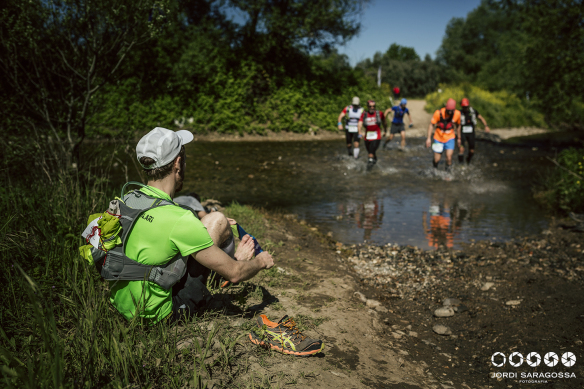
[470,138]
[439,147]
[396,128]
[351,136]
[372,145]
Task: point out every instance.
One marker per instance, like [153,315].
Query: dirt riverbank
[374,309]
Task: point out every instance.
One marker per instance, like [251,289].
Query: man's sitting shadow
[233,300]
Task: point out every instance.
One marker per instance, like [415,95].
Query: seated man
[166,231]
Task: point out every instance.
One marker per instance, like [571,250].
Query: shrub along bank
[501,109]
[562,189]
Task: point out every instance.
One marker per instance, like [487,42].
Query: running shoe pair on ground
[284,336]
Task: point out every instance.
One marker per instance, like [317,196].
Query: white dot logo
[516,359]
[493,359]
[551,359]
[568,359]
[533,359]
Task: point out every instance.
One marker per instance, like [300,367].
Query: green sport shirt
[156,238]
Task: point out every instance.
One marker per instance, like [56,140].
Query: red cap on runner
[464,102]
[451,104]
[396,90]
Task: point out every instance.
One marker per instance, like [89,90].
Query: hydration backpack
[377,117]
[445,124]
[107,234]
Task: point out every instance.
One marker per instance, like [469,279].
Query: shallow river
[402,200]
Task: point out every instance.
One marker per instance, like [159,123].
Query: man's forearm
[430,131]
[235,271]
[247,269]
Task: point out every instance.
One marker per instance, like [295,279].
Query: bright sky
[413,23]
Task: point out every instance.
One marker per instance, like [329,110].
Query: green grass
[57,327]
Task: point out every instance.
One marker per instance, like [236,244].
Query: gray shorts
[397,128]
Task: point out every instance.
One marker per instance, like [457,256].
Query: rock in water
[444,312]
[442,330]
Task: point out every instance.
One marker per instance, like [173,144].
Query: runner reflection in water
[369,217]
[443,225]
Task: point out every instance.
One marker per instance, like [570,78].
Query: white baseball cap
[162,145]
[356,101]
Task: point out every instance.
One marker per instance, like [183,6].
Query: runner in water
[396,94]
[397,124]
[468,121]
[370,126]
[446,121]
[353,113]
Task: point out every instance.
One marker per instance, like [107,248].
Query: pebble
[381,309]
[449,302]
[442,329]
[360,296]
[513,302]
[339,374]
[372,303]
[413,333]
[444,312]
[487,285]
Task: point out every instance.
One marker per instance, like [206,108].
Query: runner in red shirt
[370,126]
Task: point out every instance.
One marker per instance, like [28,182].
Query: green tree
[553,58]
[56,54]
[402,53]
[279,33]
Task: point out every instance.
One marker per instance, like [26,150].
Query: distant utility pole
[379,77]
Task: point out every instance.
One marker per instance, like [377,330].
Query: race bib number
[372,135]
[467,129]
[438,147]
[352,128]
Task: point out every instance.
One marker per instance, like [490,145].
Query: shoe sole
[259,342]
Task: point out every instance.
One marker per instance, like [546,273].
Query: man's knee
[218,227]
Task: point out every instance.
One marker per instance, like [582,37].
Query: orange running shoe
[285,337]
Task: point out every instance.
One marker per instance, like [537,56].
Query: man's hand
[428,142]
[340,127]
[266,259]
[487,129]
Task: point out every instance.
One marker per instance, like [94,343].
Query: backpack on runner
[377,117]
[106,236]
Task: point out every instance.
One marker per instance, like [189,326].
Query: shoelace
[293,328]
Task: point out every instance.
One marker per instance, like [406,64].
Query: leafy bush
[500,109]
[241,100]
[563,188]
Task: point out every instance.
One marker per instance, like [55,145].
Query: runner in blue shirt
[397,124]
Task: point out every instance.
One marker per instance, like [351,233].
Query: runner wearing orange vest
[446,122]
